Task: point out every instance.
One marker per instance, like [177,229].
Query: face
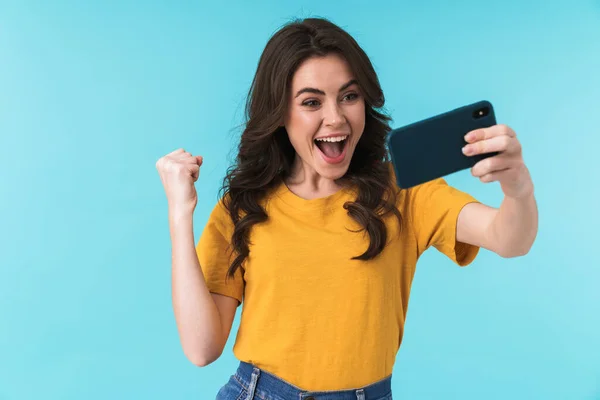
[325,117]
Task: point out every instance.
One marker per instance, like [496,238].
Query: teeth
[332,139]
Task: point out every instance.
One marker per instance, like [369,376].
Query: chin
[333,174]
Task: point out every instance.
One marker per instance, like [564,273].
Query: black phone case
[432,148]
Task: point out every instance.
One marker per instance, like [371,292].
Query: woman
[313,235]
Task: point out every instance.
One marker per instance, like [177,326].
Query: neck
[305,182]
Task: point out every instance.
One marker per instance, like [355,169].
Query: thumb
[195,170]
[199,160]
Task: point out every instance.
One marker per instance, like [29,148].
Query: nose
[334,115]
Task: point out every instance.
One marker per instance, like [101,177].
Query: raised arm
[511,229]
[203,319]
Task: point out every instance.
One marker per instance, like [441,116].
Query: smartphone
[432,148]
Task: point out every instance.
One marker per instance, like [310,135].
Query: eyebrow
[317,91]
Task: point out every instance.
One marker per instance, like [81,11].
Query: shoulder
[219,218]
[221,214]
[401,195]
[219,210]
[424,186]
[437,190]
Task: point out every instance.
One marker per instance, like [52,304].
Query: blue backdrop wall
[93,93]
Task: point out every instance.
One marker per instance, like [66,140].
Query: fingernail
[466,150]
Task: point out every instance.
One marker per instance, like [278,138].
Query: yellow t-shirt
[310,314]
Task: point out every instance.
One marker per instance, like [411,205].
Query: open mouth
[333,149]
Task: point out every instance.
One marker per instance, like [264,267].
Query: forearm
[196,313]
[514,228]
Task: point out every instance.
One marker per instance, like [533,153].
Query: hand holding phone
[432,148]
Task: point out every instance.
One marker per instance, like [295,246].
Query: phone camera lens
[481,112]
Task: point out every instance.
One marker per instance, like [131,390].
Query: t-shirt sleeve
[434,210]
[215,255]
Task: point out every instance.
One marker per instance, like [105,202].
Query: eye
[311,103]
[315,103]
[353,96]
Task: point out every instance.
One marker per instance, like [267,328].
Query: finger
[176,152]
[182,155]
[495,144]
[195,170]
[488,133]
[490,165]
[189,160]
[194,160]
[494,176]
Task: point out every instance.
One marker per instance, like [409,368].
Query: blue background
[92,94]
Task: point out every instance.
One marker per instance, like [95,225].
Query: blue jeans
[252,383]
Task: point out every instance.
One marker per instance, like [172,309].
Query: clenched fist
[178,171]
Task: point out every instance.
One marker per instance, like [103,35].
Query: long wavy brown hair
[265,154]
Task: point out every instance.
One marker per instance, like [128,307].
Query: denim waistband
[260,384]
